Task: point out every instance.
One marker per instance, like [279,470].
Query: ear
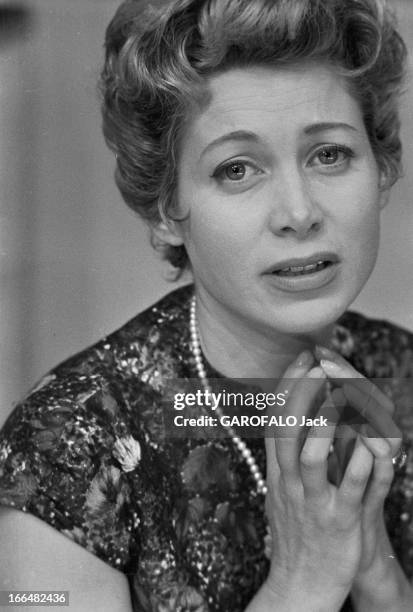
[384,189]
[384,197]
[167,231]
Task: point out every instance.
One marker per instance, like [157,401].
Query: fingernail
[323,350]
[316,373]
[378,446]
[330,367]
[304,358]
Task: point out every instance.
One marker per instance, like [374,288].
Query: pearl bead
[237,441]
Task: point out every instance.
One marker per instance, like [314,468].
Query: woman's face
[281,189]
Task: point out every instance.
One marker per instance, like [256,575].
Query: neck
[237,351]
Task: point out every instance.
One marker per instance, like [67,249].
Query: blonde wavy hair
[160,54]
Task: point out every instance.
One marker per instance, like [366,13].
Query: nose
[295,210]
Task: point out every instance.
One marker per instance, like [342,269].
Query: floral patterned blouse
[87,452]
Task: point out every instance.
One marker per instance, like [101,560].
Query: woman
[260,141]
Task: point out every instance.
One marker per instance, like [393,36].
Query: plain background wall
[75,263]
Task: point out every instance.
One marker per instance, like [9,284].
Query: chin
[310,319]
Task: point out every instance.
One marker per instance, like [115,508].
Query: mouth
[305,265]
[305,273]
[303,270]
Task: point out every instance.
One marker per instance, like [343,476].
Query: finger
[367,393]
[379,485]
[294,372]
[273,469]
[322,352]
[289,441]
[379,447]
[314,459]
[345,370]
[370,402]
[374,413]
[377,395]
[364,385]
[356,477]
[380,418]
[292,375]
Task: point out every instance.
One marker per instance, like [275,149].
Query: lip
[303,261]
[310,281]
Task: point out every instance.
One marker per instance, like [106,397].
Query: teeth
[302,270]
[298,269]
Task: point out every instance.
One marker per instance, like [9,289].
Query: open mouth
[298,274]
[303,270]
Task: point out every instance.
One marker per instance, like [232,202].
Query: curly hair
[159,55]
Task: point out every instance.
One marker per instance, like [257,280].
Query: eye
[331,156]
[235,171]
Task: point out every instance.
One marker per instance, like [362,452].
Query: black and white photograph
[206,305]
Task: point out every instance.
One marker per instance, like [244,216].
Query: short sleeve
[67,456]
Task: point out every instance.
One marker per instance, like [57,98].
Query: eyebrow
[246,136]
[324,126]
[237,135]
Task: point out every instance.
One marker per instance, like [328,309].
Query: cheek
[216,231]
[363,226]
[215,247]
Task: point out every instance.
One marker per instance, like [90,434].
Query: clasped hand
[325,531]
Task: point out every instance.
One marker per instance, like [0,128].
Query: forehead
[281,101]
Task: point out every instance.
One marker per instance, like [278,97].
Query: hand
[315,525]
[380,583]
[365,397]
[377,409]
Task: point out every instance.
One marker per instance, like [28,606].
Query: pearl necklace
[238,443]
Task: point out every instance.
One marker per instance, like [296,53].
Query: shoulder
[97,378]
[72,451]
[160,328]
[376,347]
[65,456]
